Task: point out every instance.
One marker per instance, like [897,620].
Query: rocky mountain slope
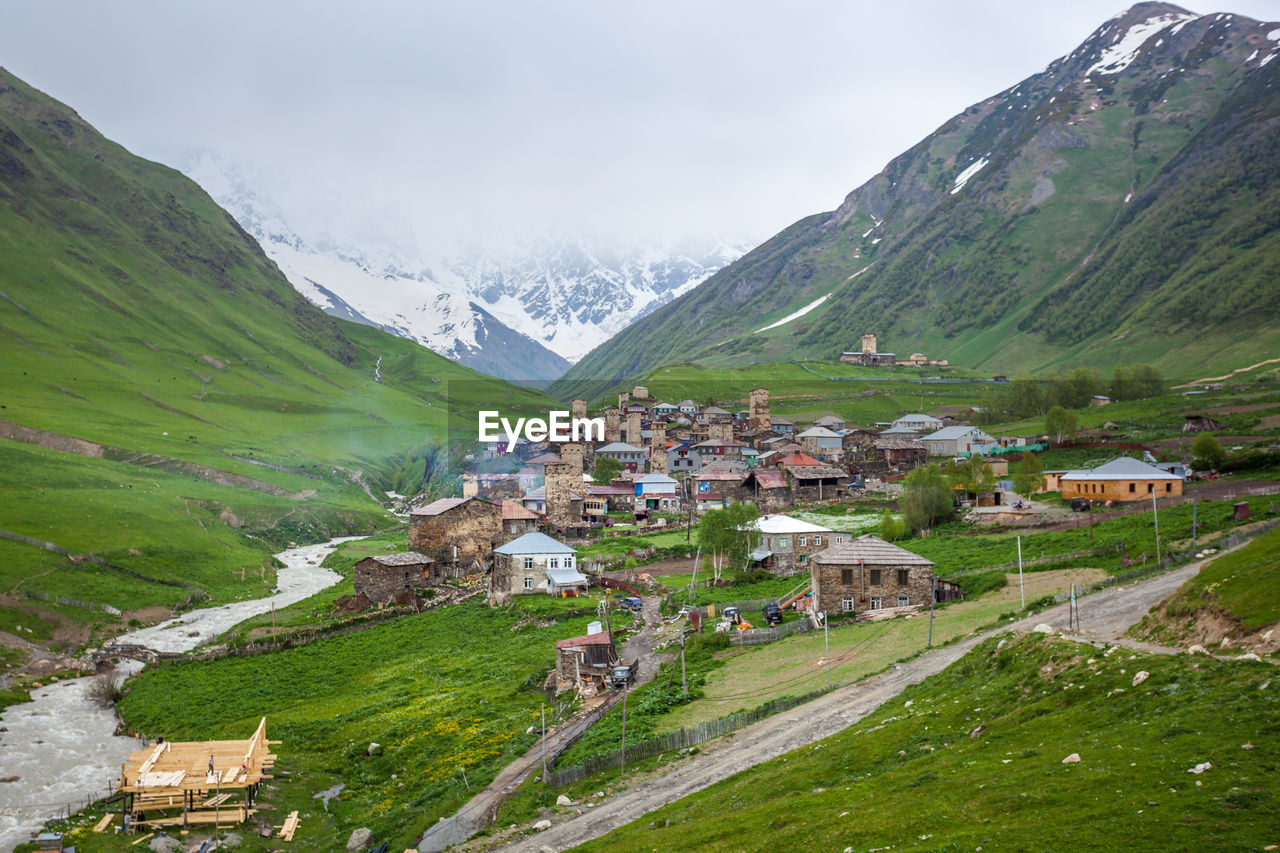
[522,312]
[1121,205]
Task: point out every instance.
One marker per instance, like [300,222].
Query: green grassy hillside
[973,758]
[1117,219]
[169,401]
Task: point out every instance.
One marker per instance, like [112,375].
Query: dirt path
[1226,376]
[1105,616]
[483,807]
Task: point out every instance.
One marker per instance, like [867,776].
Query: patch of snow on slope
[1124,49]
[860,272]
[971,170]
[796,315]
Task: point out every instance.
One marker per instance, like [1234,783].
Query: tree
[606,469]
[1028,475]
[973,475]
[892,529]
[926,498]
[1207,454]
[1025,397]
[1060,422]
[721,534]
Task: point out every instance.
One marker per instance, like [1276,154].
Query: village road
[483,807]
[1105,615]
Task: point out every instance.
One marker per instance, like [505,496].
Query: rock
[1042,628]
[373,747]
[542,824]
[1142,676]
[11,779]
[1249,656]
[1073,758]
[360,838]
[562,800]
[230,840]
[1197,649]
[979,730]
[1246,746]
[1200,768]
[165,844]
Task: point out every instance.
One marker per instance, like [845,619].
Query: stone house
[683,459]
[382,577]
[722,480]
[664,410]
[768,489]
[1122,479]
[835,423]
[816,482]
[584,662]
[520,566]
[786,543]
[720,449]
[782,426]
[460,532]
[657,492]
[517,520]
[867,574]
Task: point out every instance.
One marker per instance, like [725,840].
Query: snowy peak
[545,299]
[1125,35]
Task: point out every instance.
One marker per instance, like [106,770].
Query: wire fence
[72,602]
[757,636]
[679,739]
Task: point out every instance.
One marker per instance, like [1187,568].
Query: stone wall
[612,425]
[561,481]
[578,409]
[633,430]
[720,430]
[658,448]
[572,454]
[381,583]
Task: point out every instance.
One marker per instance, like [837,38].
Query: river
[63,747]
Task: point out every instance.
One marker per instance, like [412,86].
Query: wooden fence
[679,739]
[756,636]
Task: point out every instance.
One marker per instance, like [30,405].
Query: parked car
[631,603]
[1080,504]
[621,674]
[772,614]
[733,614]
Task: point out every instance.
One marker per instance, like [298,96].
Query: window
[804,540]
[1151,487]
[1168,487]
[875,602]
[846,577]
[839,540]
[554,563]
[528,562]
[528,583]
[902,577]
[817,540]
[804,558]
[568,562]
[1133,487]
[846,603]
[902,601]
[875,577]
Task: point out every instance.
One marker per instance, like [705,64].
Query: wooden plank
[143,838]
[216,801]
[105,822]
[290,825]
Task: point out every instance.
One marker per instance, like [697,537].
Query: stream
[62,746]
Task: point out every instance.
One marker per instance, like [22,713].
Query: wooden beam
[105,822]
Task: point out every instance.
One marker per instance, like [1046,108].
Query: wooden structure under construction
[195,783]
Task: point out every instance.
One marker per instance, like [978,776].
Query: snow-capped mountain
[524,311]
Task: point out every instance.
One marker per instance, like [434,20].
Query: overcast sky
[638,120]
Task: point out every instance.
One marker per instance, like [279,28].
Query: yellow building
[1122,479]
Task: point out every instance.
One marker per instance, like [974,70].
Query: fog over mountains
[524,310]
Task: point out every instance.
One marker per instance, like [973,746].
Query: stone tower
[612,425]
[720,430]
[561,483]
[633,429]
[571,453]
[578,410]
[869,344]
[624,398]
[759,409]
[658,449]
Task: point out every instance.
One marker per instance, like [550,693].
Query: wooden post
[624,731]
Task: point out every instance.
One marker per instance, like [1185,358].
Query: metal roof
[441,506]
[869,549]
[784,524]
[534,543]
[1122,468]
[406,558]
[619,447]
[566,577]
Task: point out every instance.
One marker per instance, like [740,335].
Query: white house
[919,422]
[521,567]
[820,442]
[658,492]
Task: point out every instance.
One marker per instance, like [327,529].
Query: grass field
[983,743]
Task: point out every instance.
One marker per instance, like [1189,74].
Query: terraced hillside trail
[482,808]
[1105,615]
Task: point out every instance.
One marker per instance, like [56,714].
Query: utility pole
[1156,511]
[826,641]
[684,685]
[1195,499]
[544,743]
[1021,592]
[624,731]
[933,599]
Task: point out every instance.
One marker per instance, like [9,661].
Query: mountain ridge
[966,245]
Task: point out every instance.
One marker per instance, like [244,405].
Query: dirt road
[482,808]
[1104,616]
